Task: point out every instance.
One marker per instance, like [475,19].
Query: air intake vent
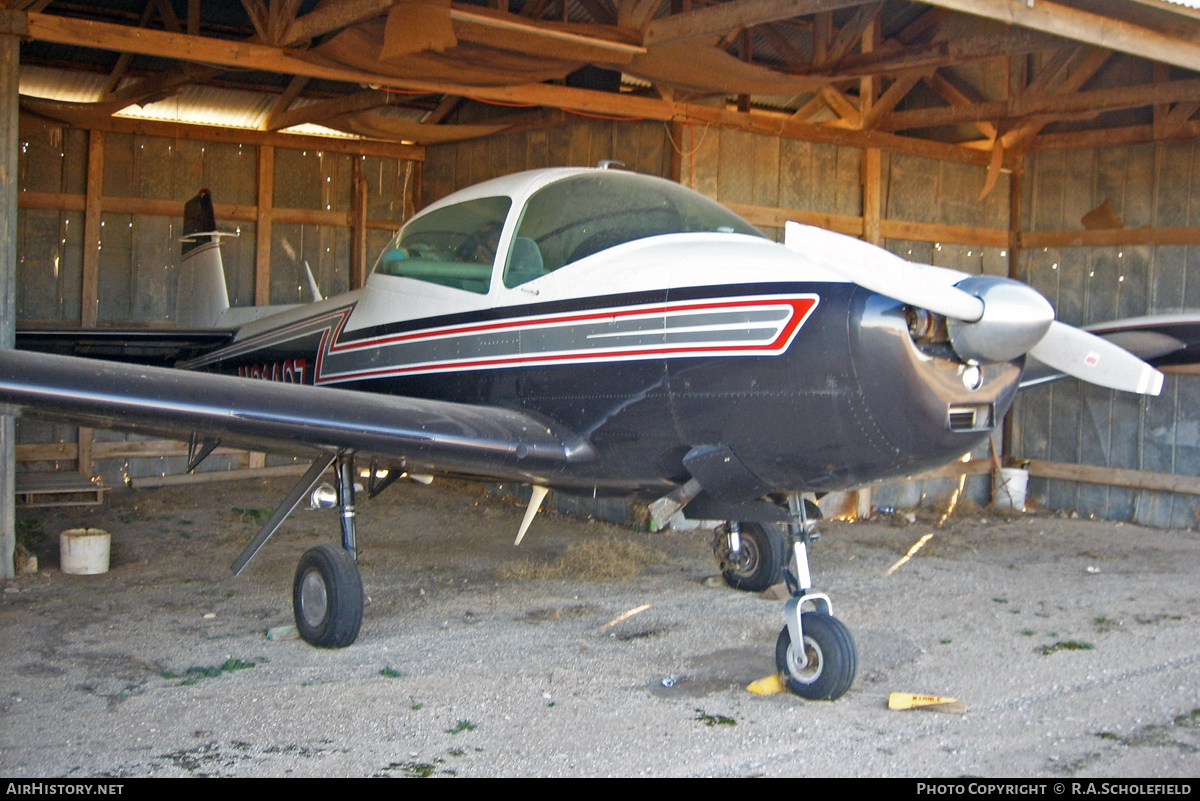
[970,417]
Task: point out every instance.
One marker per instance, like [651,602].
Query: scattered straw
[606,559]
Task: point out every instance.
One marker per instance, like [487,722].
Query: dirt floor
[1075,644]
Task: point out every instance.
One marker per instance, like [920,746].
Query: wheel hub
[314,598]
[805,667]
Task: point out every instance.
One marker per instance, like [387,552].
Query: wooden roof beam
[636,13]
[333,15]
[1075,103]
[123,60]
[1083,26]
[852,31]
[956,96]
[724,17]
[942,53]
[248,55]
[1091,64]
[888,100]
[326,109]
[779,43]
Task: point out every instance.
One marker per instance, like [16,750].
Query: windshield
[454,246]
[585,214]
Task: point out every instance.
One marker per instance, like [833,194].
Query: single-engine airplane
[591,331]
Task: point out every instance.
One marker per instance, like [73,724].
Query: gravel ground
[466,666]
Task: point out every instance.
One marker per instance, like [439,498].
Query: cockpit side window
[455,246]
[571,219]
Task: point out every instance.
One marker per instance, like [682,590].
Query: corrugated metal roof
[199,105]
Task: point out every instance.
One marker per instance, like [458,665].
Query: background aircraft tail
[203,296]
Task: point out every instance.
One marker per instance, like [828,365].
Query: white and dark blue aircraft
[591,331]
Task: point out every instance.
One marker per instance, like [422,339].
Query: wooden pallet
[57,489]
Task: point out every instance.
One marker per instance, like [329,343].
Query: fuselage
[645,340]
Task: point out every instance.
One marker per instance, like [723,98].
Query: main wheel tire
[327,597]
[761,558]
[832,658]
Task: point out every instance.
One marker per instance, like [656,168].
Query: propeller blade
[1088,357]
[873,268]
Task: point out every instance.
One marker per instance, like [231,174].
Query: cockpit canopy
[563,222]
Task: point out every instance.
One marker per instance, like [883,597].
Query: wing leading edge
[288,418]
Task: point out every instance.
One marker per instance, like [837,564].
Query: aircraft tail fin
[203,295]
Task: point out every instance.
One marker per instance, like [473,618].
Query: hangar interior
[1052,142]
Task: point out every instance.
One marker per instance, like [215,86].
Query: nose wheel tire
[759,562]
[832,659]
[327,597]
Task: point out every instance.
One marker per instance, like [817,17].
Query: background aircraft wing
[283,418]
[1169,342]
[140,346]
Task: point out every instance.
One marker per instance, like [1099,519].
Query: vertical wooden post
[1007,444]
[872,200]
[266,202]
[675,141]
[89,302]
[9,68]
[418,188]
[358,226]
[83,452]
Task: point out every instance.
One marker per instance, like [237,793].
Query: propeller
[989,319]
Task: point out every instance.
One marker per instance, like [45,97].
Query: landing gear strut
[327,592]
[815,654]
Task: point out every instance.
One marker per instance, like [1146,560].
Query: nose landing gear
[815,653]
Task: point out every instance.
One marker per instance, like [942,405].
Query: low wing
[163,347]
[284,418]
[1169,342]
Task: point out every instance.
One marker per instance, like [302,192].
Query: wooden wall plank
[89,300]
[263,233]
[9,87]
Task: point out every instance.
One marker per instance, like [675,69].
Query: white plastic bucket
[84,551]
[1008,488]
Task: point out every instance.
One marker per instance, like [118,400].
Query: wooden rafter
[333,15]
[892,58]
[888,100]
[258,13]
[724,17]
[123,60]
[853,30]
[1070,105]
[444,109]
[779,43]
[1091,64]
[636,13]
[848,113]
[956,95]
[293,90]
[1084,26]
[316,112]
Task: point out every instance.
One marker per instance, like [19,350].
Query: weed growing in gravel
[390,672]
[253,515]
[197,672]
[1069,645]
[461,726]
[713,720]
[416,770]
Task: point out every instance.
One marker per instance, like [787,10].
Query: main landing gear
[327,592]
[815,653]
